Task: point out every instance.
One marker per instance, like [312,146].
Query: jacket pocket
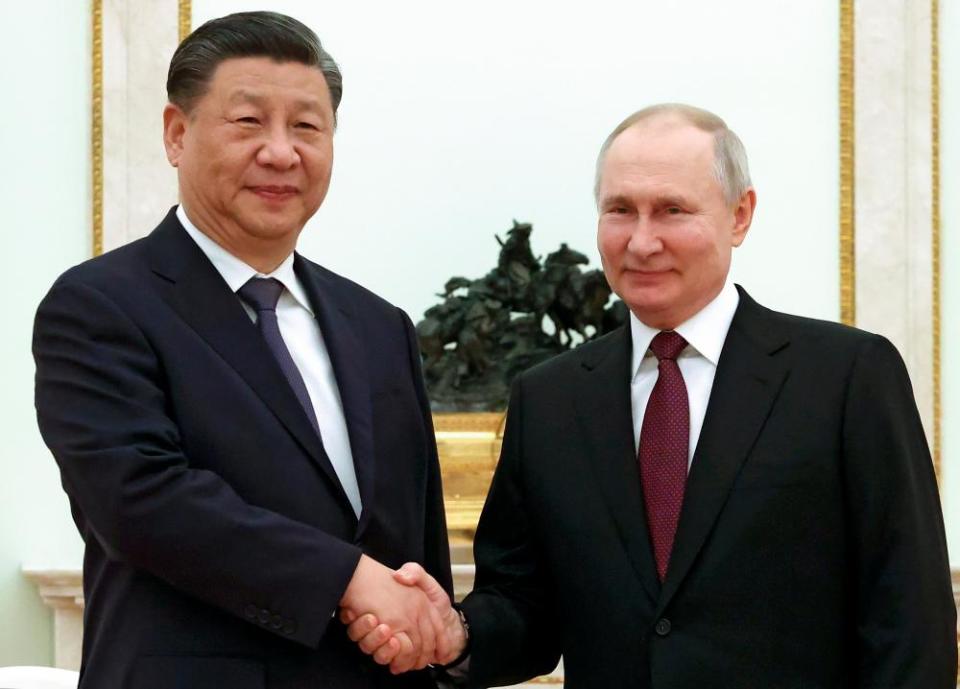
[190,672]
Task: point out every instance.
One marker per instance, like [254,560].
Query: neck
[264,263]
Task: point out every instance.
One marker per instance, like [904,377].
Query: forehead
[661,146]
[263,77]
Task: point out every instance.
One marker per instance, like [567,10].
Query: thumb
[412,574]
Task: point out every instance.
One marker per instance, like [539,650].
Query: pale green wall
[44,191]
[950,266]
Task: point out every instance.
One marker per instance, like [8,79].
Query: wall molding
[935,227]
[848,313]
[184,19]
[895,194]
[62,591]
[97,126]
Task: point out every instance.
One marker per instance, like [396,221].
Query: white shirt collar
[704,332]
[235,272]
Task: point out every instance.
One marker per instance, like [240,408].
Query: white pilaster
[62,590]
[139,186]
[893,183]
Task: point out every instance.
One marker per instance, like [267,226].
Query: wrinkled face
[254,154]
[665,232]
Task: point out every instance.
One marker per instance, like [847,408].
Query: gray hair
[729,156]
[246,34]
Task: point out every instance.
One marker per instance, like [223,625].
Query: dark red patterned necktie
[664,448]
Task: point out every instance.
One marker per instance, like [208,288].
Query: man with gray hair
[716,496]
[243,435]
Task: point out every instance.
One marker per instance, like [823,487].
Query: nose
[278,150]
[644,239]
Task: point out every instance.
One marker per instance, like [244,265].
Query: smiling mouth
[274,192]
[646,273]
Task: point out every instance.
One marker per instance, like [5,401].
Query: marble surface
[139,186]
[893,184]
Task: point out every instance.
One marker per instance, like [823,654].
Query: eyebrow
[254,98]
[616,200]
[660,201]
[672,200]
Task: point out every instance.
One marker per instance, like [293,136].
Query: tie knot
[667,345]
[262,294]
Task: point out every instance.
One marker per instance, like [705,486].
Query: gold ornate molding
[847,255]
[469,447]
[185,18]
[935,219]
[97,127]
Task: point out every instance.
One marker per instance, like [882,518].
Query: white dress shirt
[301,333]
[705,333]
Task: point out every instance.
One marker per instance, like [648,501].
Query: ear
[175,123]
[743,216]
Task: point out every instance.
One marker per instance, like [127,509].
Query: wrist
[460,634]
[358,581]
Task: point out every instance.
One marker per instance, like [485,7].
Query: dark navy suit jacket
[218,538]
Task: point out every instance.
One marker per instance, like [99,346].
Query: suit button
[289,627]
[276,621]
[662,627]
[264,616]
[250,611]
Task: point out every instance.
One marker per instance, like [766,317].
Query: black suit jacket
[810,551]
[218,538]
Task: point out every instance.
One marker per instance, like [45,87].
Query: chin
[647,300]
[655,312]
[273,223]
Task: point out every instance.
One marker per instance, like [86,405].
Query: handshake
[401,618]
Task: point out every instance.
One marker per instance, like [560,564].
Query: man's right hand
[377,638]
[414,624]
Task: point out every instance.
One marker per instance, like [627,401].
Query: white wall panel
[458,117]
[950,268]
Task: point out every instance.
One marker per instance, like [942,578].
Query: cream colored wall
[45,192]
[950,269]
[457,118]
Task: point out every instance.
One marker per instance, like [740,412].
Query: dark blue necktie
[262,294]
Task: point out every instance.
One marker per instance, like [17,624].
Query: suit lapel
[604,415]
[204,301]
[347,350]
[748,379]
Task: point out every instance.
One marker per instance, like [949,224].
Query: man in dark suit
[716,496]
[243,435]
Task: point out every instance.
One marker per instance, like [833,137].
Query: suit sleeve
[103,412]
[513,633]
[436,547]
[906,618]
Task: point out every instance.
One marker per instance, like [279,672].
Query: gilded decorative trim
[847,255]
[184,19]
[935,217]
[470,422]
[97,127]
